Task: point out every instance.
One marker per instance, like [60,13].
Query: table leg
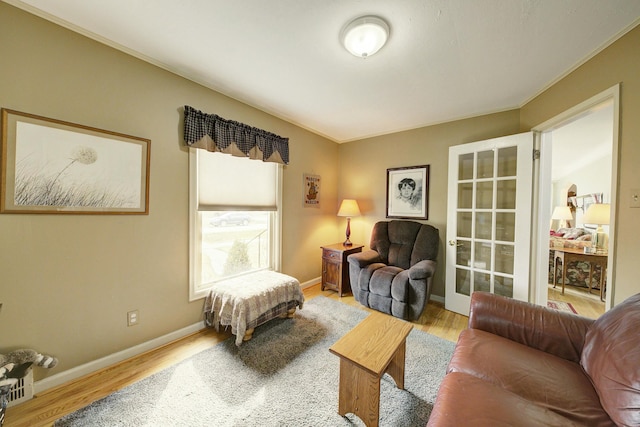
[590,277]
[248,334]
[564,270]
[396,366]
[359,393]
[289,314]
[556,255]
[603,272]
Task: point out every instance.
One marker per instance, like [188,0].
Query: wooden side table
[335,270]
[567,255]
[376,346]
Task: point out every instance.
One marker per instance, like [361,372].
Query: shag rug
[562,306]
[283,376]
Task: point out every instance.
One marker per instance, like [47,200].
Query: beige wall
[67,281]
[619,63]
[364,164]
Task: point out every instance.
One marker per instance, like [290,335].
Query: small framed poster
[311,196]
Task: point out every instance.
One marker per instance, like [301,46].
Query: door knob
[452,242]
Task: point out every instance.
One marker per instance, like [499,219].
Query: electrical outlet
[133,318]
[634,199]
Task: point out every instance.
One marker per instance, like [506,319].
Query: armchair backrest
[404,243]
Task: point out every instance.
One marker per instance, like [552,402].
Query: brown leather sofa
[520,364]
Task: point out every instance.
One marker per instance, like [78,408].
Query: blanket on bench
[240,301]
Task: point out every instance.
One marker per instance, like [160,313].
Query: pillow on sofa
[611,358]
[571,233]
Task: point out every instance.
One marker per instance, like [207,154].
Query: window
[234,207]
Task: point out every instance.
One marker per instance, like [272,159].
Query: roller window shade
[233,183]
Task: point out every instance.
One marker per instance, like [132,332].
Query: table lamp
[598,214]
[562,213]
[348,208]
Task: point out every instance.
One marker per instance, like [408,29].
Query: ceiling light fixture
[365,36]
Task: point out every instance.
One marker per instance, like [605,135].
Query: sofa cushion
[549,381]
[380,240]
[381,280]
[402,236]
[486,404]
[366,273]
[572,233]
[426,246]
[611,357]
[400,289]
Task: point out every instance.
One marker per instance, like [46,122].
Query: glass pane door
[486,182]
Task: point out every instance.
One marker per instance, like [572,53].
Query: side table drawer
[331,255]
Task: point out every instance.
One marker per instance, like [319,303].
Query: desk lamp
[562,213]
[598,214]
[348,208]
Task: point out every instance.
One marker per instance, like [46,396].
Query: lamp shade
[597,214]
[562,212]
[349,208]
[365,36]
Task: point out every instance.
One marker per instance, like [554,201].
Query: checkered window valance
[213,133]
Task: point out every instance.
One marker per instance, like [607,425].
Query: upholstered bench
[247,302]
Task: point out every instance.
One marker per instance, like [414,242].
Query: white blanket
[240,301]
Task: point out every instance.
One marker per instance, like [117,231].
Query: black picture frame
[405,204]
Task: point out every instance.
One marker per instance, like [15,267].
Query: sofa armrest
[362,259]
[423,269]
[559,333]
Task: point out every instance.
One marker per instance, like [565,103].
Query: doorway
[578,166]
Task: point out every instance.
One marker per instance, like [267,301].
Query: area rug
[284,376]
[562,306]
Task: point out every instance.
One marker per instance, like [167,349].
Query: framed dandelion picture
[51,166]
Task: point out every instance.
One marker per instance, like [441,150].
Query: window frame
[198,290]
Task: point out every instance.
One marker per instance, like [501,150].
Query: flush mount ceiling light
[365,36]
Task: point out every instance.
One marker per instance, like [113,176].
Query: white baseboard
[311,282]
[95,365]
[437,298]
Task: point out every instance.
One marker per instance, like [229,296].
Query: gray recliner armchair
[395,275]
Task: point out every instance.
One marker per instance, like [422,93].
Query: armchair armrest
[422,269]
[362,259]
[559,333]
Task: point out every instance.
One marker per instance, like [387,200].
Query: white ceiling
[445,59]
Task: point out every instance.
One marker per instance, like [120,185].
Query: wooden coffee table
[374,347]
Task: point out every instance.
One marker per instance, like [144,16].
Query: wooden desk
[374,347]
[567,255]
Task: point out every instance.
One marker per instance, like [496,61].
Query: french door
[489,219]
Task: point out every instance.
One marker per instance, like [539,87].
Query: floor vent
[22,391]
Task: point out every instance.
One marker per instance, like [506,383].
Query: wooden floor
[48,406]
[587,305]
